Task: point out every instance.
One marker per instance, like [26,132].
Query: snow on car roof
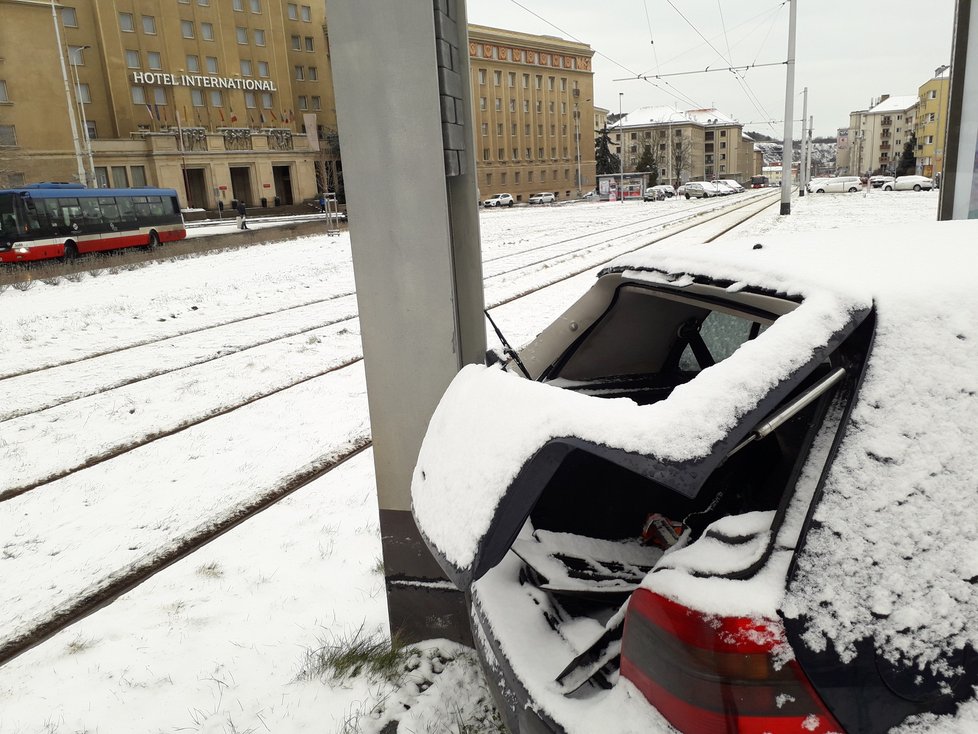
[894,552]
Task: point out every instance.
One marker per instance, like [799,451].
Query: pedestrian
[322,203]
[242,215]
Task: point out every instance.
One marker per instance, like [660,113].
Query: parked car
[544,197]
[681,190]
[878,182]
[732,185]
[499,200]
[590,195]
[653,194]
[813,184]
[700,190]
[666,189]
[752,519]
[838,185]
[909,183]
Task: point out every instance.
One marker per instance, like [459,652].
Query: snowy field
[223,640]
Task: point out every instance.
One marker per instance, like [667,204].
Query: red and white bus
[50,220]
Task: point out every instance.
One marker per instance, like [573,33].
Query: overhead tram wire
[748,92]
[685,97]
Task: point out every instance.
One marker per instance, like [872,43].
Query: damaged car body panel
[637,526]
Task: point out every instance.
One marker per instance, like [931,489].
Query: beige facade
[932,106]
[533,100]
[219,99]
[686,145]
[877,135]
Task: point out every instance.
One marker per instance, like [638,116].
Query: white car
[813,184]
[909,183]
[500,200]
[731,184]
[880,182]
[700,190]
[544,197]
[838,185]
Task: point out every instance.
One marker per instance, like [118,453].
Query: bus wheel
[71,252]
[154,240]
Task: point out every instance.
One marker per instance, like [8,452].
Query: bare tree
[682,159]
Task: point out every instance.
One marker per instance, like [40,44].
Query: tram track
[130,576]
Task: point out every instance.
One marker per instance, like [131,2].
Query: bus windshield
[8,216]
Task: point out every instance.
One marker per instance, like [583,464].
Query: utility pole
[74,58]
[789,111]
[82,178]
[621,157]
[808,167]
[802,168]
[577,145]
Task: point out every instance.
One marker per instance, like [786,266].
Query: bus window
[8,217]
[127,210]
[174,205]
[155,206]
[142,207]
[71,213]
[110,210]
[91,212]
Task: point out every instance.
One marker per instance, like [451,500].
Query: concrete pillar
[400,71]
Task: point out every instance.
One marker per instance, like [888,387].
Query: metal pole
[789,111]
[81,110]
[809,166]
[802,178]
[577,146]
[183,159]
[82,177]
[621,158]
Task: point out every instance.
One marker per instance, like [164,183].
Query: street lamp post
[75,55]
[577,145]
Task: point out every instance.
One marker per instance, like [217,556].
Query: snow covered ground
[221,641]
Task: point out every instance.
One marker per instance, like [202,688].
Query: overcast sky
[848,51]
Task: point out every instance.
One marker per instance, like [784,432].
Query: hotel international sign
[528,56]
[199,80]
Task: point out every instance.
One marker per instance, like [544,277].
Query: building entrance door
[196,189]
[283,184]
[241,184]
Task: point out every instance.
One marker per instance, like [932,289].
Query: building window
[293,11]
[316,103]
[211,64]
[482,76]
[266,100]
[132,59]
[526,129]
[255,6]
[512,105]
[138,175]
[563,108]
[8,135]
[149,25]
[497,77]
[307,13]
[154,60]
[259,37]
[193,63]
[312,73]
[550,83]
[526,105]
[563,84]
[499,104]
[159,95]
[516,154]
[485,128]
[187,28]
[516,177]
[250,100]
[300,73]
[540,152]
[241,34]
[488,175]
[526,81]
[485,157]
[138,95]
[197,97]
[482,103]
[539,106]
[932,94]
[126,23]
[529,154]
[217,98]
[540,129]
[262,68]
[499,128]
[512,79]
[207,31]
[502,178]
[529,176]
[69,17]
[245,67]
[238,4]
[310,46]
[76,55]
[513,132]
[543,176]
[303,104]
[3,92]
[539,81]
[296,43]
[204,3]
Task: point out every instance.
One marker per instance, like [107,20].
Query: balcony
[887,121]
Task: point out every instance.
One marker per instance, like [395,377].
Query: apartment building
[932,106]
[686,144]
[219,99]
[877,135]
[533,99]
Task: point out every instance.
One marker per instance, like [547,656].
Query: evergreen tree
[648,163]
[908,161]
[605,161]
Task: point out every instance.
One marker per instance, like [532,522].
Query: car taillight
[717,675]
